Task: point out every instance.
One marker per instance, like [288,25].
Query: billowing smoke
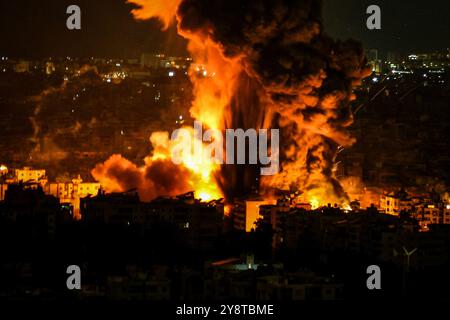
[159,177]
[273,66]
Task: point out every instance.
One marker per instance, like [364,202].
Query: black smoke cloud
[306,79]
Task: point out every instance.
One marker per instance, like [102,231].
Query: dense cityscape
[62,116]
[224,159]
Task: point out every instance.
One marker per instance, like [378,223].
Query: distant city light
[171,73]
[375,79]
[401,72]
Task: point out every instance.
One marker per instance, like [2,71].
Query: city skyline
[270,157]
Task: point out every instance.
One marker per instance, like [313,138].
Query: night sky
[407,25]
[37,28]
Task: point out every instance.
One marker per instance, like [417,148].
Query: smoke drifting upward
[297,79]
[45,150]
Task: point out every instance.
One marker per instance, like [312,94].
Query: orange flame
[213,89]
[165,10]
[309,159]
[159,176]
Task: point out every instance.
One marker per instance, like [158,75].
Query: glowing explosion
[269,66]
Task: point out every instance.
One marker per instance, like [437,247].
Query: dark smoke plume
[303,81]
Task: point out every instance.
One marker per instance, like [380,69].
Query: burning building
[275,68]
